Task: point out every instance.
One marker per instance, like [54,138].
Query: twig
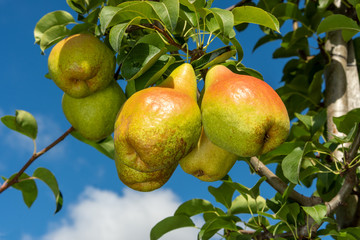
[279,185]
[15,179]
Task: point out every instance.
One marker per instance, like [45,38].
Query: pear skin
[81,65]
[207,161]
[182,79]
[158,126]
[242,114]
[94,116]
[143,181]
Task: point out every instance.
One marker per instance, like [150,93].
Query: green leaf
[248,204]
[57,18]
[214,57]
[346,122]
[284,149]
[28,188]
[23,122]
[255,190]
[154,73]
[77,5]
[141,58]
[223,194]
[193,4]
[193,207]
[249,14]
[173,8]
[170,223]
[266,39]
[291,165]
[211,227]
[313,123]
[105,146]
[317,212]
[339,22]
[287,11]
[116,36]
[52,36]
[288,210]
[49,179]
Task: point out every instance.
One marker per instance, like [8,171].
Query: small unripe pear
[207,161]
[94,116]
[242,114]
[81,65]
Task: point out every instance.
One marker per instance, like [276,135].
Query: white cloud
[101,214]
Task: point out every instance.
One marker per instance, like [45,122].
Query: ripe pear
[242,114]
[158,126]
[94,116]
[143,181]
[207,161]
[81,65]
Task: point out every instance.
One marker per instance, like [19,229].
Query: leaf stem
[8,183]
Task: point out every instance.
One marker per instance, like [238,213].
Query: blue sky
[95,201]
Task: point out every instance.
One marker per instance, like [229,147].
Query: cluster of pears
[161,127]
[83,67]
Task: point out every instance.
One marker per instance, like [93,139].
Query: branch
[350,178]
[279,185]
[8,183]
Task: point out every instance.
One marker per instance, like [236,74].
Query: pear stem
[9,182]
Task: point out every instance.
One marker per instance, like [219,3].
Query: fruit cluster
[160,127]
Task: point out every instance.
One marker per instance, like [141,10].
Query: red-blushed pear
[207,161]
[81,65]
[143,181]
[242,114]
[94,116]
[158,126]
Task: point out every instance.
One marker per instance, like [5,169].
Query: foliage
[151,38]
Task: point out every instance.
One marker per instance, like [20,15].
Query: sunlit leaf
[210,228]
[249,14]
[105,146]
[346,122]
[170,223]
[194,206]
[23,122]
[317,212]
[28,188]
[339,22]
[247,204]
[223,194]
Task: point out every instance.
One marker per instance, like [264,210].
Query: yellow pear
[158,126]
[81,65]
[94,116]
[242,114]
[143,181]
[207,161]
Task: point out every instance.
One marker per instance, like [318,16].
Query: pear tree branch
[279,185]
[8,183]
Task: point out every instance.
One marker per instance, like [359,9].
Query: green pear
[143,181]
[242,114]
[207,161]
[158,126]
[81,65]
[94,116]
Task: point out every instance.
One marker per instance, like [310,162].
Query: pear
[242,114]
[81,65]
[207,161]
[158,126]
[143,181]
[94,116]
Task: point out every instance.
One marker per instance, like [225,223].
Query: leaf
[52,36]
[287,11]
[28,188]
[154,73]
[291,165]
[170,223]
[105,146]
[292,209]
[313,123]
[266,39]
[141,58]
[214,57]
[116,36]
[339,22]
[249,14]
[223,194]
[284,149]
[210,228]
[248,204]
[219,19]
[49,179]
[173,8]
[193,207]
[255,190]
[57,18]
[346,122]
[23,122]
[317,212]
